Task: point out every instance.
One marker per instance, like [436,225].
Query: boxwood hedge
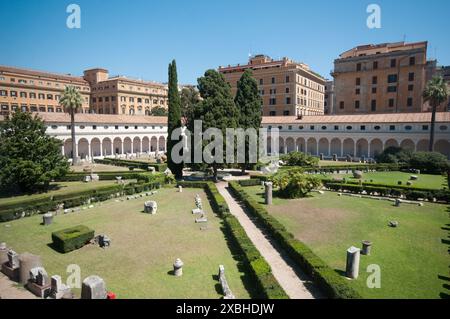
[71,238]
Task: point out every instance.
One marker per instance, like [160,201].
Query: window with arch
[349,127]
[443,127]
[377,128]
[408,127]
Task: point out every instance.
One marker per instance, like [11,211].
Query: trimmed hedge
[107,176]
[411,193]
[45,204]
[132,164]
[71,238]
[256,263]
[332,284]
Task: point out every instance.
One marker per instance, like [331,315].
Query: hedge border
[332,284]
[65,243]
[135,164]
[254,261]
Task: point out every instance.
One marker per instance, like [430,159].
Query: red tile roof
[103,118]
[47,75]
[367,118]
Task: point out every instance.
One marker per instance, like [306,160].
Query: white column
[101,148]
[140,151]
[368,149]
[329,148]
[89,150]
[342,148]
[306,146]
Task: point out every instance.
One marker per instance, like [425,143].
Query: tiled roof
[103,118]
[371,118]
[29,72]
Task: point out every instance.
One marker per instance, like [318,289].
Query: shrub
[299,159]
[72,238]
[295,184]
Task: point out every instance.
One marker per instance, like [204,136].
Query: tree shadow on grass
[446,286]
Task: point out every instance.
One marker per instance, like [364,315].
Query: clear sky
[138,38]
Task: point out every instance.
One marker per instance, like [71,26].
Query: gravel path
[10,290]
[293,280]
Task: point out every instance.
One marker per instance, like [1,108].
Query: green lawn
[143,249]
[414,258]
[58,188]
[101,168]
[392,178]
[338,163]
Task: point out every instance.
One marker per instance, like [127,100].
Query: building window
[323,127]
[287,90]
[391,102]
[411,76]
[13,93]
[362,127]
[393,63]
[411,87]
[3,93]
[272,101]
[32,95]
[373,105]
[341,105]
[311,127]
[408,127]
[357,91]
[412,60]
[443,128]
[286,113]
[272,113]
[94,127]
[288,100]
[287,79]
[375,65]
[374,90]
[106,98]
[301,127]
[391,127]
[261,81]
[377,128]
[392,89]
[349,128]
[409,102]
[374,80]
[358,81]
[424,127]
[358,67]
[336,127]
[23,94]
[273,80]
[392,78]
[356,104]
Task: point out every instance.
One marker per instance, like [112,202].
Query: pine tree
[174,119]
[249,104]
[216,109]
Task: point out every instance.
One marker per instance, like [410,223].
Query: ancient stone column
[366,247]
[352,268]
[268,193]
[47,219]
[93,287]
[27,262]
[3,253]
[178,267]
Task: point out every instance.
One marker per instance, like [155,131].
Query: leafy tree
[174,119]
[189,98]
[159,111]
[72,102]
[394,154]
[299,159]
[29,158]
[436,93]
[430,162]
[216,109]
[248,103]
[293,183]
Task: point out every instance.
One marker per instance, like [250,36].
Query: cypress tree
[174,119]
[249,103]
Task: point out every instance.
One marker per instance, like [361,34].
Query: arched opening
[407,145]
[376,147]
[153,144]
[107,146]
[300,145]
[349,147]
[145,144]
[95,147]
[442,146]
[323,146]
[68,148]
[117,146]
[336,147]
[312,146]
[390,142]
[362,148]
[290,145]
[422,146]
[162,144]
[280,145]
[127,145]
[83,148]
[137,145]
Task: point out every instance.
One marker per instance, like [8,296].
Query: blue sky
[138,38]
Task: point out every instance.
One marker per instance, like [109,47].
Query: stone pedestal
[178,267]
[335,157]
[366,247]
[150,207]
[58,290]
[180,189]
[39,283]
[47,219]
[352,267]
[27,262]
[11,268]
[223,282]
[397,202]
[3,253]
[93,287]
[321,156]
[268,193]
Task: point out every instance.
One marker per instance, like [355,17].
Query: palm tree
[72,101]
[436,93]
